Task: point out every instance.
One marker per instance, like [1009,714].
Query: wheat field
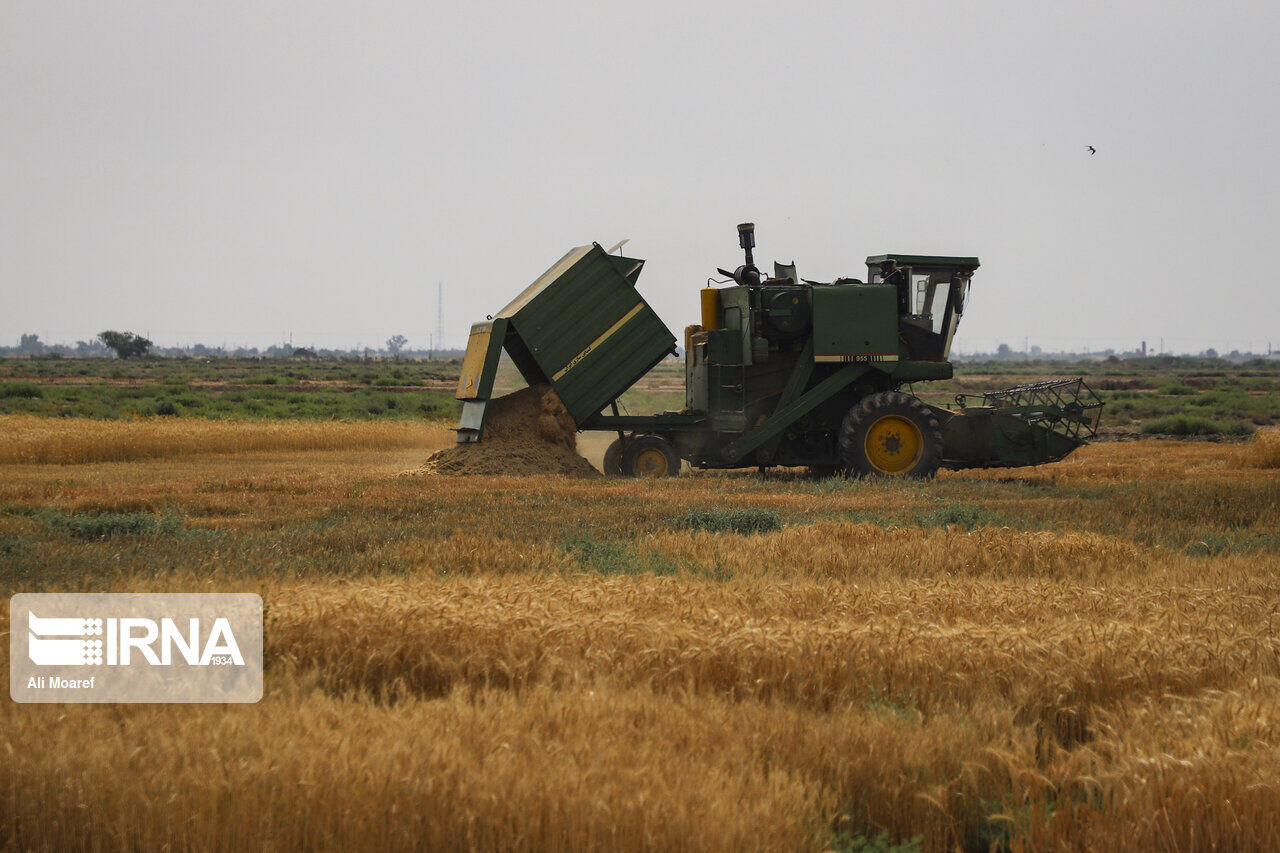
[30,439]
[1080,656]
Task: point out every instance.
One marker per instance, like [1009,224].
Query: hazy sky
[234,172]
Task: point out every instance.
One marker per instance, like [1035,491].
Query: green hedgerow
[1194,425]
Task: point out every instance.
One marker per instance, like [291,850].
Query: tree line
[131,345]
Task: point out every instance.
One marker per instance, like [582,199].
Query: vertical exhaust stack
[747,240]
[747,275]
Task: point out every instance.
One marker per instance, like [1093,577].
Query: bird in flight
[1092,150]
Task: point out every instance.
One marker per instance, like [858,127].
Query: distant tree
[1004,352]
[395,343]
[1211,353]
[30,345]
[126,344]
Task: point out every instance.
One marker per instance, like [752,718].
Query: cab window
[930,289]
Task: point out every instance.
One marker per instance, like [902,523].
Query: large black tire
[650,456]
[613,459]
[891,434]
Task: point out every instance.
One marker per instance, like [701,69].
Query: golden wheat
[1264,450]
[1067,676]
[664,715]
[1048,648]
[28,439]
[547,771]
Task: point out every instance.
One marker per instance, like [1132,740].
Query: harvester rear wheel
[891,434]
[650,456]
[613,459]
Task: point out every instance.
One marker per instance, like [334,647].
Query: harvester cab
[780,371]
[931,299]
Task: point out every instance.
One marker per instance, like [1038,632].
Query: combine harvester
[782,370]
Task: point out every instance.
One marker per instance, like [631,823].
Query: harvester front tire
[891,434]
[613,459]
[650,456]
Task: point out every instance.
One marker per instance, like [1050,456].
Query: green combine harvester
[781,371]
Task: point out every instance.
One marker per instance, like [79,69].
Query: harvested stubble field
[1080,656]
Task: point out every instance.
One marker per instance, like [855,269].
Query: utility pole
[439,313]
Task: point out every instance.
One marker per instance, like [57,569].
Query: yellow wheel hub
[893,444]
[651,462]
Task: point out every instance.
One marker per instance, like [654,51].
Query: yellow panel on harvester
[480,364]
